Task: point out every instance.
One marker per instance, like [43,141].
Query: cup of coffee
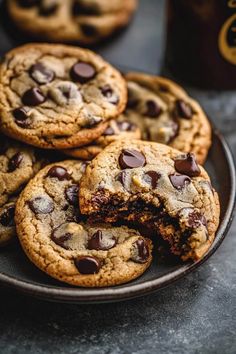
[201,42]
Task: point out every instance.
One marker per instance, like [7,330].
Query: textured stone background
[196,315]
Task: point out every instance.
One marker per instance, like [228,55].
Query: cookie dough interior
[181,237]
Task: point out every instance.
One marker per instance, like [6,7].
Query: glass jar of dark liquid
[201,42]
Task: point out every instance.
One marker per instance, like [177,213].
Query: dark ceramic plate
[15,269]
[17,272]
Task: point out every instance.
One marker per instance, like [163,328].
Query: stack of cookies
[136,144]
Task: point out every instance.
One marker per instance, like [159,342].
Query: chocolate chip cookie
[60,241]
[157,187]
[55,96]
[166,114]
[117,129]
[18,164]
[86,21]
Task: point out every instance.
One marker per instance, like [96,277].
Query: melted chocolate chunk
[21,117]
[184,110]
[88,29]
[188,165]
[152,178]
[82,72]
[41,205]
[15,162]
[59,172]
[196,219]
[99,199]
[7,217]
[179,181]
[60,241]
[153,109]
[79,9]
[88,265]
[108,92]
[142,254]
[121,177]
[28,3]
[131,159]
[33,97]
[72,194]
[99,242]
[41,74]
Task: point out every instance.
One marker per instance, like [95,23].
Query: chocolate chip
[153,109]
[79,9]
[21,117]
[99,199]
[121,177]
[28,3]
[41,74]
[7,217]
[131,159]
[179,181]
[196,219]
[15,162]
[109,131]
[41,205]
[126,126]
[88,29]
[59,172]
[141,251]
[100,242]
[48,10]
[188,165]
[72,194]
[184,110]
[82,72]
[88,265]
[152,178]
[33,97]
[109,94]
[62,239]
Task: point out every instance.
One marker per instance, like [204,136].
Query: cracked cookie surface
[58,239]
[117,129]
[18,164]
[158,187]
[166,114]
[55,96]
[86,21]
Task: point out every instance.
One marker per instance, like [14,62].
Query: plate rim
[101,295]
